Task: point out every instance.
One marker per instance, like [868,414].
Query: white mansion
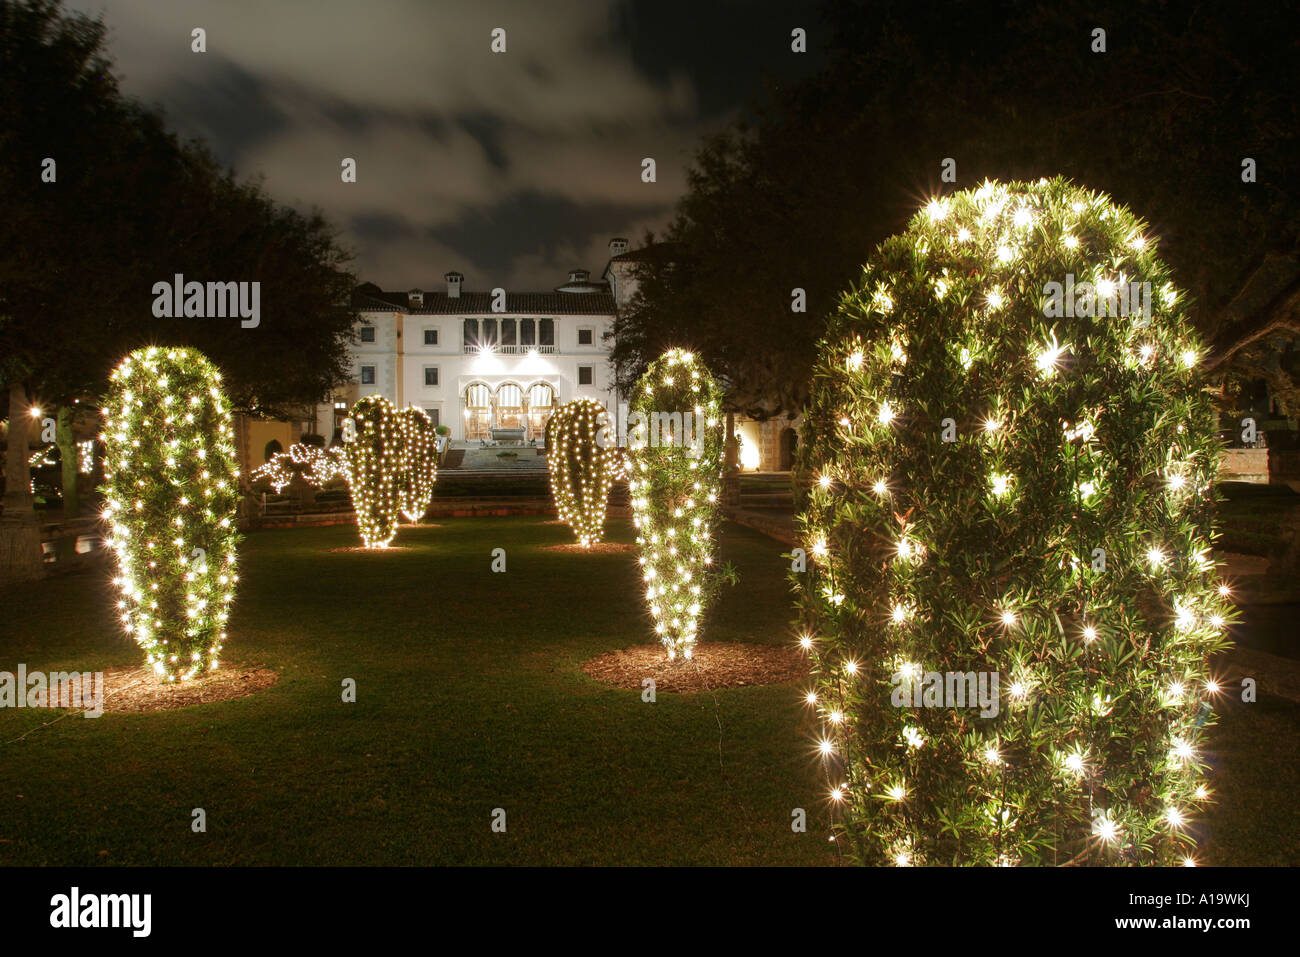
[475,361]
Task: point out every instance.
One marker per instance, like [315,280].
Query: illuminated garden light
[175,596]
[1048,521]
[389,462]
[583,464]
[678,478]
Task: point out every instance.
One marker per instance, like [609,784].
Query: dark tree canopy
[1161,121]
[129,206]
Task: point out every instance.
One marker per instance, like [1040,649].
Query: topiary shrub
[582,461]
[375,461]
[675,460]
[171,490]
[419,462]
[1008,457]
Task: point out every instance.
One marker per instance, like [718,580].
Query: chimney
[415,297]
[454,279]
[617,246]
[578,275]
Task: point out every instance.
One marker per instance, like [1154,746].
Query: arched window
[510,406]
[541,403]
[478,411]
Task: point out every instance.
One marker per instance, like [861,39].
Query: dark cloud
[518,166]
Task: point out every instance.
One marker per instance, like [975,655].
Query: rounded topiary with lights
[675,462]
[583,464]
[1006,475]
[420,454]
[171,491]
[375,459]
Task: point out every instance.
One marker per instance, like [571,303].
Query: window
[433,417]
[471,333]
[507,332]
[510,407]
[367,333]
[430,337]
[541,399]
[478,411]
[488,333]
[527,332]
[367,375]
[547,332]
[584,337]
[430,375]
[584,375]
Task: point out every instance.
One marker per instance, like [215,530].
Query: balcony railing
[499,350]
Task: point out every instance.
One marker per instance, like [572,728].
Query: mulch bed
[600,548]
[137,690]
[714,665]
[362,548]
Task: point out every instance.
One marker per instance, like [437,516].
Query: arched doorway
[478,411]
[541,403]
[789,439]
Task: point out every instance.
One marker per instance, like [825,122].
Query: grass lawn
[470,698]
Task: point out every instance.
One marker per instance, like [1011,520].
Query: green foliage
[675,451]
[391,466]
[170,499]
[968,450]
[132,206]
[830,167]
[583,461]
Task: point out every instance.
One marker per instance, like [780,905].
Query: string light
[170,498]
[390,463]
[675,486]
[1041,510]
[583,464]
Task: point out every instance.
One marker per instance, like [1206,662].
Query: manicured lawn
[470,698]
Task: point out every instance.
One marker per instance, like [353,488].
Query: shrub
[1001,484]
[675,452]
[170,497]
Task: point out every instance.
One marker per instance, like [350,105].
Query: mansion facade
[477,361]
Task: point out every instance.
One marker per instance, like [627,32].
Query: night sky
[512,168]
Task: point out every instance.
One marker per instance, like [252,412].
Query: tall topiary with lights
[171,492]
[375,459]
[675,453]
[583,463]
[1009,465]
[420,461]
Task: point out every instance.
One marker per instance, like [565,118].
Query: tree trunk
[20,533]
[69,462]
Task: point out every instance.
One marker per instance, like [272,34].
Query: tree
[102,202]
[1009,507]
[835,164]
